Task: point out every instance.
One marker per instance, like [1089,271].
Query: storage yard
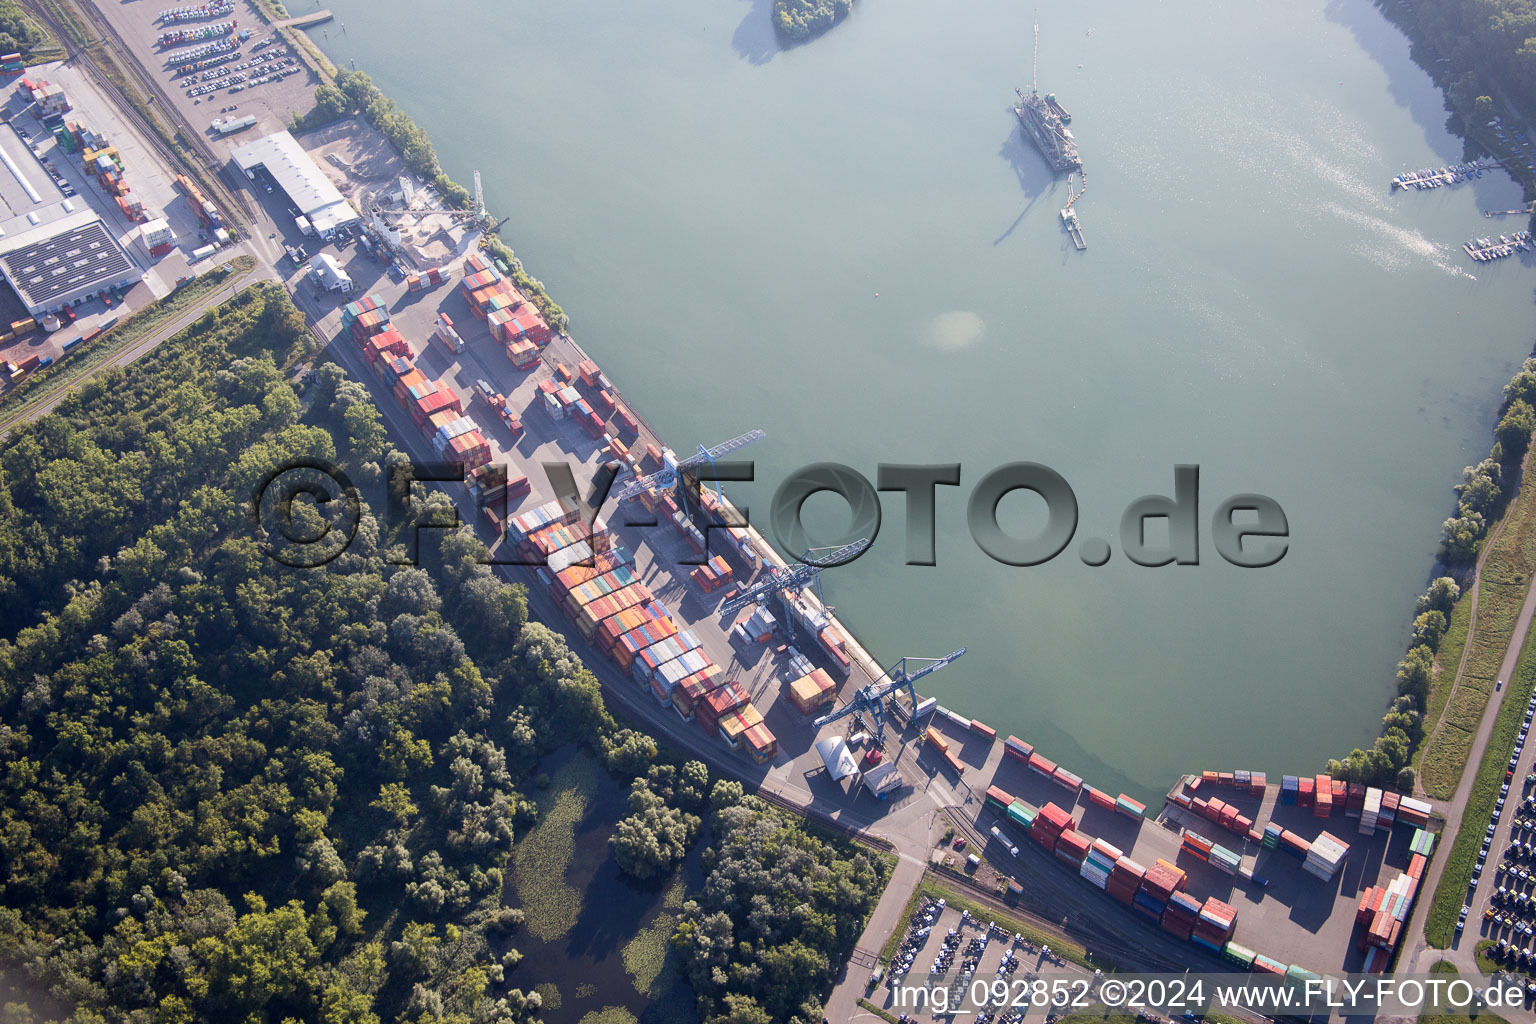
[1294,877]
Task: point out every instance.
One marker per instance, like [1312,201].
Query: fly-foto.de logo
[307,513]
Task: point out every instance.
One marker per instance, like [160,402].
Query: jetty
[1485,250]
[1440,177]
[305,20]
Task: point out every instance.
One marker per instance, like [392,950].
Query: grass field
[551,904]
[1441,921]
[1447,661]
[1505,578]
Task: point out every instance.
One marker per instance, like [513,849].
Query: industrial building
[279,161]
[327,271]
[55,251]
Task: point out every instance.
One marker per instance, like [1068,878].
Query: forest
[235,790]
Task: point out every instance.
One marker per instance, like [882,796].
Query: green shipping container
[1238,954]
[1022,815]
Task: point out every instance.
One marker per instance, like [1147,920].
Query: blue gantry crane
[779,581]
[672,468]
[872,698]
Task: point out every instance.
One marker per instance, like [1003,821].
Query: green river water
[850,245]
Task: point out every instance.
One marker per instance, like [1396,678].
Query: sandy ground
[367,169]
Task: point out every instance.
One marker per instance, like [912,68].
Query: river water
[850,245]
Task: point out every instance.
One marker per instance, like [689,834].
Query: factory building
[55,251]
[279,162]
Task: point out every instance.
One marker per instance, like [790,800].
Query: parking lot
[273,102]
[948,958]
[1501,901]
[1517,142]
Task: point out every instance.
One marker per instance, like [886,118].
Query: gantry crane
[779,580]
[672,469]
[872,698]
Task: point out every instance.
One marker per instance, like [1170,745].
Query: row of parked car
[1517,852]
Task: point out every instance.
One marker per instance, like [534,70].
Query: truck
[203,253]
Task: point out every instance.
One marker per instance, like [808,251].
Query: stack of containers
[1196,845]
[1223,859]
[523,354]
[1325,856]
[1180,915]
[1386,925]
[1017,749]
[1072,847]
[1215,925]
[1306,795]
[1354,800]
[1099,798]
[1257,783]
[1370,811]
[1125,880]
[1322,800]
[1293,845]
[1158,885]
[1422,843]
[1241,956]
[692,690]
[560,510]
[1389,805]
[1049,825]
[1130,808]
[1067,780]
[1271,838]
[1023,815]
[1300,976]
[998,798]
[1042,765]
[1370,904]
[721,702]
[1289,789]
[1413,812]
[1267,965]
[1098,863]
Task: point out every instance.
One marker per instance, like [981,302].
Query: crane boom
[872,698]
[667,475]
[792,577]
[1034,75]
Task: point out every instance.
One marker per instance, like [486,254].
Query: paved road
[1419,956]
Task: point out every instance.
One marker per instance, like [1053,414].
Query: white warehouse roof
[296,174]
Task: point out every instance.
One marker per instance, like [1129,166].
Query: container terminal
[1044,120]
[729,650]
[739,658]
